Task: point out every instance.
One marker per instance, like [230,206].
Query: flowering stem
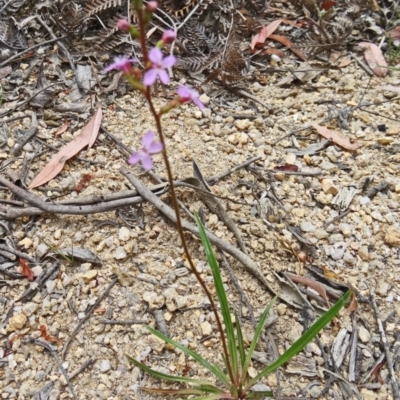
[157,118]
[142,37]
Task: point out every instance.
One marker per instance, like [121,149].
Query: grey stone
[307,226]
[119,253]
[105,366]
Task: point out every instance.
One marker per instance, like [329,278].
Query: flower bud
[123,25]
[152,6]
[168,36]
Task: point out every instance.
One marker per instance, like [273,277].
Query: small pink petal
[135,158]
[155,148]
[147,162]
[148,139]
[168,61]
[149,77]
[163,75]
[155,55]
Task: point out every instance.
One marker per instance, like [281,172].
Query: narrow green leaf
[201,390]
[306,338]
[215,369]
[223,301]
[239,336]
[256,336]
[213,397]
[166,377]
[259,395]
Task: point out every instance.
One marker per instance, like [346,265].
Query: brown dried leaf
[286,167]
[375,59]
[264,33]
[394,33]
[336,137]
[287,43]
[63,128]
[353,304]
[85,138]
[312,284]
[26,269]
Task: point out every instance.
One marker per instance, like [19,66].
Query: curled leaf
[26,269]
[264,33]
[341,141]
[374,58]
[85,138]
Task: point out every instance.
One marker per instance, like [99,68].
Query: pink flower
[158,68]
[149,147]
[122,63]
[188,94]
[123,25]
[168,36]
[152,6]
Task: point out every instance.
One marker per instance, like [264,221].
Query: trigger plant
[230,379]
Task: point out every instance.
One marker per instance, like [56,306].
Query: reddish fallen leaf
[287,43]
[63,128]
[394,33]
[390,88]
[326,5]
[341,141]
[85,138]
[287,167]
[100,310]
[83,183]
[376,372]
[48,338]
[375,59]
[26,269]
[345,62]
[264,33]
[271,50]
[353,304]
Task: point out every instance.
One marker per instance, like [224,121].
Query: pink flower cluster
[157,69]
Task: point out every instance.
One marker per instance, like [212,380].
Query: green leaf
[215,369]
[306,338]
[165,377]
[194,391]
[223,301]
[259,394]
[212,397]
[256,336]
[240,341]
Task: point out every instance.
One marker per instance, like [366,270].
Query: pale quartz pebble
[37,270]
[57,234]
[29,308]
[89,275]
[307,226]
[367,394]
[26,242]
[364,200]
[17,322]
[382,288]
[206,328]
[105,366]
[154,301]
[363,253]
[204,99]
[321,233]
[242,124]
[124,234]
[364,334]
[119,253]
[41,250]
[328,187]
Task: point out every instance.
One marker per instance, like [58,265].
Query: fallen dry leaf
[287,43]
[85,138]
[26,269]
[375,59]
[286,167]
[264,33]
[394,33]
[353,304]
[313,284]
[63,128]
[345,62]
[336,137]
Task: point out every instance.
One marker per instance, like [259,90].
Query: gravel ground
[144,268]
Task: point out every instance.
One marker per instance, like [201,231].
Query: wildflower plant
[233,380]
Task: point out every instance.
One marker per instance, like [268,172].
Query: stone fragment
[204,99]
[363,253]
[29,308]
[392,236]
[367,394]
[154,301]
[105,366]
[327,166]
[242,124]
[17,322]
[124,234]
[170,295]
[281,308]
[321,234]
[206,328]
[290,158]
[382,288]
[89,275]
[41,250]
[26,242]
[124,278]
[364,334]
[307,226]
[328,187]
[119,253]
